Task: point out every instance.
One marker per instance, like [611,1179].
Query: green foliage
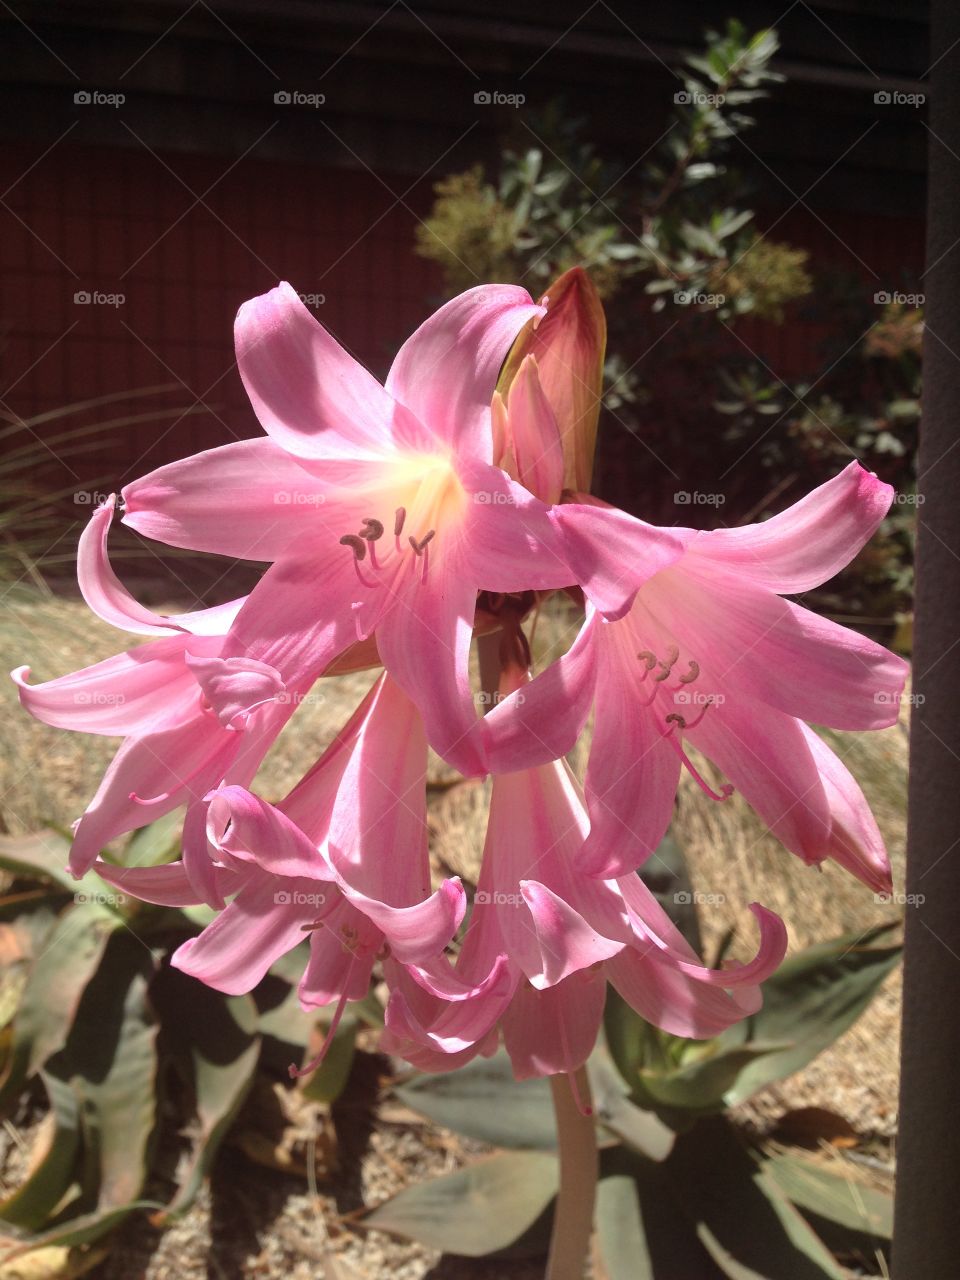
[99,1021]
[682,1191]
[559,204]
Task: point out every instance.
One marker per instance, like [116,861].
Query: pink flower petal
[509,543]
[535,441]
[810,541]
[855,839]
[542,720]
[251,500]
[446,372]
[311,396]
[235,687]
[612,555]
[553,1032]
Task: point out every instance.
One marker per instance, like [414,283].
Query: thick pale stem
[579,1165]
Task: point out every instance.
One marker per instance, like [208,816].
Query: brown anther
[663,673]
[677,719]
[372,529]
[421,545]
[314,924]
[691,674]
[356,544]
[398,520]
[648,658]
[673,654]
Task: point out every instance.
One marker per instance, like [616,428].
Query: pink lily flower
[542,941]
[707,651]
[189,718]
[380,504]
[341,860]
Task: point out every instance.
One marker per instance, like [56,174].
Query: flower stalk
[579,1167]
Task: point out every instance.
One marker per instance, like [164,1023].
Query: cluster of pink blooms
[400,521]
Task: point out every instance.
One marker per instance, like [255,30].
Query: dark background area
[200,189]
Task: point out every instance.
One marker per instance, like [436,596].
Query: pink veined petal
[200,861]
[110,600]
[810,541]
[508,542]
[418,932]
[633,771]
[127,693]
[167,885]
[299,617]
[446,372]
[378,827]
[162,769]
[249,830]
[758,645]
[566,943]
[236,949]
[553,1032]
[251,500]
[461,1025]
[334,970]
[102,589]
[441,979]
[234,687]
[765,756]
[424,641]
[311,396]
[855,839]
[673,949]
[534,435]
[611,555]
[543,720]
[672,1000]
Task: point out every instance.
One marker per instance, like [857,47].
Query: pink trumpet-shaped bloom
[380,505]
[707,652]
[189,719]
[342,860]
[543,939]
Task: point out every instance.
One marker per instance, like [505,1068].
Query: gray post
[928,1151]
